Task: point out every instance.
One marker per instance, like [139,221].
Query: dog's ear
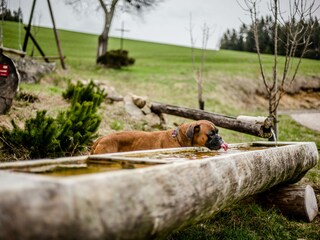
[192,130]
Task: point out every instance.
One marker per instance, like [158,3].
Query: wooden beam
[232,123]
[28,28]
[56,37]
[49,57]
[37,45]
[13,51]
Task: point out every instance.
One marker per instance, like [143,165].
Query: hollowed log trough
[144,203]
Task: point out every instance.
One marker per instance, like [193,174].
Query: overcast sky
[167,23]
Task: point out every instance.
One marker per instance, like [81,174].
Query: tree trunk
[256,129]
[102,46]
[292,200]
[200,84]
[274,90]
[104,37]
[103,40]
[201,104]
[273,114]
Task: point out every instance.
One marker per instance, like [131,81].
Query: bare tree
[109,8]
[198,70]
[298,32]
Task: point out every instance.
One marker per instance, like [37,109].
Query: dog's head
[204,133]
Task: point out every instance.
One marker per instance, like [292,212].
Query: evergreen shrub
[116,59]
[86,92]
[67,134]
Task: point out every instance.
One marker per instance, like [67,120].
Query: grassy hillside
[164,73]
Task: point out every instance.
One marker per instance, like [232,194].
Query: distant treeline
[15,16]
[243,40]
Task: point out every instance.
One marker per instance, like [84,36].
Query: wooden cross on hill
[122,30]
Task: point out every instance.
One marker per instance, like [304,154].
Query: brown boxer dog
[201,133]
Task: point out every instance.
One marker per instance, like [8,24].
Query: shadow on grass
[249,221]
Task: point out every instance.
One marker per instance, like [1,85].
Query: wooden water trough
[140,195]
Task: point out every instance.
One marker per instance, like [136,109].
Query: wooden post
[37,45]
[28,28]
[122,30]
[232,123]
[56,37]
[295,201]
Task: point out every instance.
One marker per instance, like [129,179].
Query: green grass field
[164,73]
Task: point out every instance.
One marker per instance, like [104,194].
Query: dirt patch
[301,100]
[114,116]
[304,93]
[22,110]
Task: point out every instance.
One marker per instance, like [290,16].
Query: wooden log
[253,119]
[297,201]
[145,203]
[139,101]
[256,129]
[48,57]
[13,51]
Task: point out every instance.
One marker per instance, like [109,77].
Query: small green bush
[116,125]
[35,140]
[115,59]
[70,132]
[78,126]
[84,92]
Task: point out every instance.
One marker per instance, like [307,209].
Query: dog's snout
[217,137]
[214,142]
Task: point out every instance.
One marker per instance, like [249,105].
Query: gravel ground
[310,120]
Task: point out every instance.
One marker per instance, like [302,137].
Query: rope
[19,27]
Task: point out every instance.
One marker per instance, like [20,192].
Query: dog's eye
[211,134]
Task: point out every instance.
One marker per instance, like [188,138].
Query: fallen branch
[259,129]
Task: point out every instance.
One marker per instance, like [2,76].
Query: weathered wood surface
[297,201]
[49,57]
[13,51]
[256,129]
[143,203]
